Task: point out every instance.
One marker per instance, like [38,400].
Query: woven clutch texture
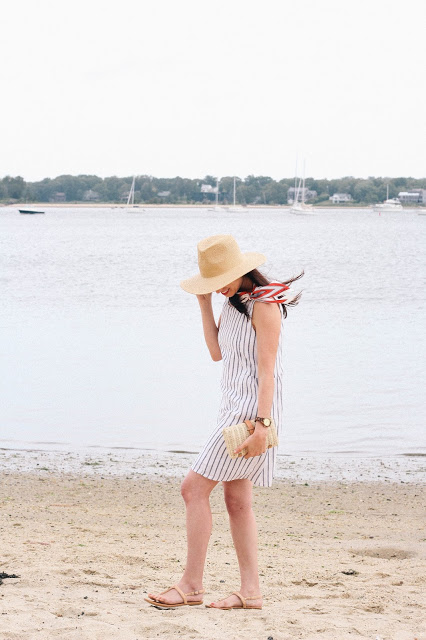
[237,433]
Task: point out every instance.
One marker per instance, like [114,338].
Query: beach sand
[337,559]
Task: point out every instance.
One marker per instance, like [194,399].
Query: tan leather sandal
[183,595]
[243,601]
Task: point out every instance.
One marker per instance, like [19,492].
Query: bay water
[101,348]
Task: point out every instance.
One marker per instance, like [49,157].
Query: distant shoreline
[109,205]
[256,192]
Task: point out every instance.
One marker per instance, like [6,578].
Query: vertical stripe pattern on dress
[239,386]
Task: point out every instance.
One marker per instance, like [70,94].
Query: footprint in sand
[385,553]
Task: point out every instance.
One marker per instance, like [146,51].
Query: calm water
[101,347]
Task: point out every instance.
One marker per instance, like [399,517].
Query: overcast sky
[235,87]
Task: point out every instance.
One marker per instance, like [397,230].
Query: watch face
[267,422]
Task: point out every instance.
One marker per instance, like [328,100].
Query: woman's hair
[258,280]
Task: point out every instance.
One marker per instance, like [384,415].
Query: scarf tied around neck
[275,292]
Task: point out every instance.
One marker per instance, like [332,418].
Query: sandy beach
[338,559]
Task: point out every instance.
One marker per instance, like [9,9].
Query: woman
[248,340]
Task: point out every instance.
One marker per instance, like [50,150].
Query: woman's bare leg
[238,499]
[195,491]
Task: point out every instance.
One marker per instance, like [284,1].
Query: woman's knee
[195,487]
[238,501]
[186,489]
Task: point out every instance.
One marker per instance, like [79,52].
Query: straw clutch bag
[236,434]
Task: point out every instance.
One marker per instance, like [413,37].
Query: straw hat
[221,262]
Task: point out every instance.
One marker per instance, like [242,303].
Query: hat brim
[199,285]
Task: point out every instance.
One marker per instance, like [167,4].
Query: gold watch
[265,421]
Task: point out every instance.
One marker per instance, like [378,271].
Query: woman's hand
[204,297]
[256,445]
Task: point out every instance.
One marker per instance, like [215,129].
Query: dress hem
[209,477]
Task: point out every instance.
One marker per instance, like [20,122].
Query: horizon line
[139,175]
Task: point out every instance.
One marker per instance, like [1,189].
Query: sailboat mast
[132,192]
[298,189]
[295,183]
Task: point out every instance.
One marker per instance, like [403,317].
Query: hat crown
[220,262]
[217,255]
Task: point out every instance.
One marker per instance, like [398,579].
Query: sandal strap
[182,594]
[243,599]
[195,593]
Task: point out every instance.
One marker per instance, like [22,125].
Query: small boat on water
[390,204]
[216,206]
[29,211]
[303,209]
[299,206]
[235,206]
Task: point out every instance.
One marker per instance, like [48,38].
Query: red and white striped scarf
[272,292]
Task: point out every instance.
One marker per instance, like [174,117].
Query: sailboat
[390,204]
[301,208]
[235,207]
[131,197]
[216,206]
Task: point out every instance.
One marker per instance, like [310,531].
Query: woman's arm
[209,326]
[267,322]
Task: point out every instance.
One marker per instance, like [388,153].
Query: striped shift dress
[239,385]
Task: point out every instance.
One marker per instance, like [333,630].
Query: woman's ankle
[250,589]
[190,584]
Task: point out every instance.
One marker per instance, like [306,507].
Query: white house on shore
[339,198]
[414,196]
[207,188]
[91,196]
[304,194]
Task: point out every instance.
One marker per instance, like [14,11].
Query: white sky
[236,87]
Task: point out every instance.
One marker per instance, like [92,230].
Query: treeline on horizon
[261,190]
